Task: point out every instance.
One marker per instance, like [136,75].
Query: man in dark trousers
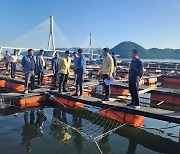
[80,70]
[114,57]
[107,71]
[7,59]
[135,74]
[14,60]
[55,64]
[64,69]
[41,65]
[76,58]
[29,65]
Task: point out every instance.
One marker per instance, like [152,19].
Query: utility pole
[51,34]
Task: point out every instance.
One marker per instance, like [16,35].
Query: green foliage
[124,50]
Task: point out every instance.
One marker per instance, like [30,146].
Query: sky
[150,23]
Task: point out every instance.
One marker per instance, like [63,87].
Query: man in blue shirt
[55,69]
[135,74]
[29,65]
[80,70]
[76,57]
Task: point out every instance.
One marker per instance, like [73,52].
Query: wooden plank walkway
[12,95]
[155,113]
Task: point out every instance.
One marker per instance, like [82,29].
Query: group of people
[136,71]
[61,70]
[10,62]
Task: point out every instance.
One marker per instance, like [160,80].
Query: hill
[124,50]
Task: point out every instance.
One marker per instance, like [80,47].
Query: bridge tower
[51,34]
[90,46]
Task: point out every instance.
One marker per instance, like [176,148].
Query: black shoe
[105,99]
[75,94]
[52,88]
[65,90]
[80,95]
[130,104]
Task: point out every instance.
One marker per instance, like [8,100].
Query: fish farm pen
[45,120]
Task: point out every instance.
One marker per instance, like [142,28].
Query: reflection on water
[32,128]
[59,132]
[31,132]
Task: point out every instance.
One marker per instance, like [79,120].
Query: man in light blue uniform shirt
[80,71]
[75,54]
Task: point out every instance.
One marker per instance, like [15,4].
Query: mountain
[124,50]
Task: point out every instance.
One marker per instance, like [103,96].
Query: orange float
[47,79]
[119,90]
[31,101]
[172,99]
[174,80]
[133,119]
[2,83]
[18,87]
[15,86]
[67,102]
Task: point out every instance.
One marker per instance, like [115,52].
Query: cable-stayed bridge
[46,35]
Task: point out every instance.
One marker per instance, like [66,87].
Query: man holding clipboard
[107,71]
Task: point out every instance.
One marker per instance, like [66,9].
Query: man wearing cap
[135,74]
[64,69]
[107,71]
[41,65]
[80,69]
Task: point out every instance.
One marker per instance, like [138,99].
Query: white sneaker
[137,107]
[26,92]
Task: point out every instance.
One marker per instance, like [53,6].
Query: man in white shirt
[14,59]
[41,65]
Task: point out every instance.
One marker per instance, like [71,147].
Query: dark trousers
[134,90]
[30,77]
[114,73]
[106,87]
[8,66]
[13,69]
[40,77]
[55,77]
[79,83]
[63,81]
